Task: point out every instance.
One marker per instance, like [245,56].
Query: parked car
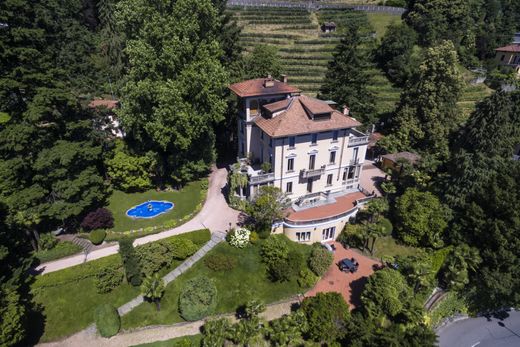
[348,265]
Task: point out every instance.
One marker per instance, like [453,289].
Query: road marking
[475,344]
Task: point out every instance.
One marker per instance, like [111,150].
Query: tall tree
[427,113]
[421,218]
[395,53]
[482,187]
[347,77]
[174,93]
[15,303]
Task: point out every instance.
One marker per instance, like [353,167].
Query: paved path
[215,215]
[482,332]
[89,338]
[371,177]
[350,285]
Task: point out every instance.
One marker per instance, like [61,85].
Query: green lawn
[194,339]
[69,298]
[62,249]
[185,200]
[235,287]
[380,21]
[388,246]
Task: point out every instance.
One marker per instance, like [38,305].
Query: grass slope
[69,297]
[185,200]
[248,280]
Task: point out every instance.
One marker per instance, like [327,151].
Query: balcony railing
[312,173]
[354,161]
[263,178]
[357,141]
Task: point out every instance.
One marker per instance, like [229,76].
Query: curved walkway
[215,215]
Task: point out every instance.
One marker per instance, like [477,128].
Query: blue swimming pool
[149,209]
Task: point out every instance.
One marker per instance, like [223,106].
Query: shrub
[220,262]
[280,271]
[320,260]
[275,248]
[62,249]
[215,332]
[130,262]
[197,299]
[386,224]
[98,219]
[108,279]
[97,236]
[253,237]
[47,241]
[240,238]
[153,257]
[230,235]
[307,278]
[327,315]
[107,320]
[181,248]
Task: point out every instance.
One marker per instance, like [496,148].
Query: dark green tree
[175,85]
[261,62]
[427,113]
[347,78]
[327,316]
[395,53]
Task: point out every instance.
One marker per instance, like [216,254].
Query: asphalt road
[501,331]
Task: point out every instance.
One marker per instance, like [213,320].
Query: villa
[509,56]
[308,149]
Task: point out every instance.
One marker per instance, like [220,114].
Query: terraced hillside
[306,51]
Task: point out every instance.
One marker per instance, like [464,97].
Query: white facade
[328,161]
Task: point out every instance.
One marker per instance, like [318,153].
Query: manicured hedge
[107,320]
[97,236]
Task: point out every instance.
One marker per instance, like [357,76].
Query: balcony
[357,138]
[258,178]
[312,173]
[354,162]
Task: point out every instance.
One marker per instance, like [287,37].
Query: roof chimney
[268,82]
[284,79]
[346,110]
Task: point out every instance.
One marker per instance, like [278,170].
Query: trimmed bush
[253,237]
[320,260]
[307,278]
[153,257]
[197,299]
[108,279]
[107,320]
[130,262]
[97,236]
[181,248]
[98,219]
[47,242]
[275,248]
[220,262]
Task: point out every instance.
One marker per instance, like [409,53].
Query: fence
[311,5]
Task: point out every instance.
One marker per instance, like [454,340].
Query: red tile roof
[510,48]
[257,87]
[295,120]
[110,104]
[343,204]
[394,157]
[277,106]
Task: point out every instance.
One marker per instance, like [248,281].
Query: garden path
[215,215]
[88,337]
